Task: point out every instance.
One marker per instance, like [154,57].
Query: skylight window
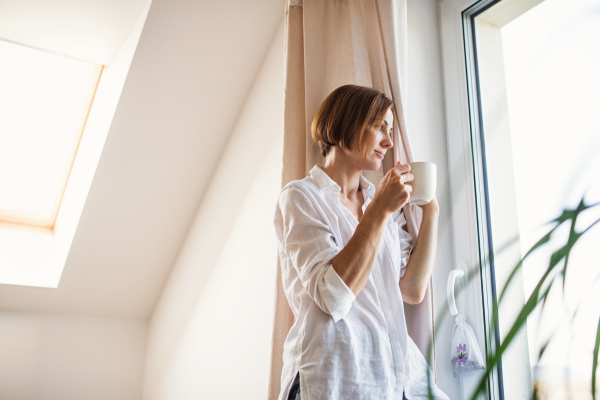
[45,100]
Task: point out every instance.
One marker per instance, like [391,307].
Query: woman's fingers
[406,178]
[395,190]
[402,168]
[402,172]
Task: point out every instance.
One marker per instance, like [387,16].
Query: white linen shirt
[344,346]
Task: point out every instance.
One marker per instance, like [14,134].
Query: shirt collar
[325,182]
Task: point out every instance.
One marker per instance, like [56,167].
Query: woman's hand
[393,191]
[355,261]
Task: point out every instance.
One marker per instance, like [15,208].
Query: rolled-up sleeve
[309,242]
[406,241]
[337,295]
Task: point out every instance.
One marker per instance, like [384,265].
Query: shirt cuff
[335,293]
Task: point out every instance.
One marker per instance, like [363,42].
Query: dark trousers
[295,389]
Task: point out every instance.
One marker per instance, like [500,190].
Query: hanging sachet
[464,355]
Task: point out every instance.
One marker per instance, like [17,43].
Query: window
[521,97]
[45,100]
[36,238]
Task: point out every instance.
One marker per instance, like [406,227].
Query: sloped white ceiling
[193,68]
[91,30]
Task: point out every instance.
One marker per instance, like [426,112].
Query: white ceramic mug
[424,182]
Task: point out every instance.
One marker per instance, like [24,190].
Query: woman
[347,262]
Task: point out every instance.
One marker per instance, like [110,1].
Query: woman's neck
[342,171]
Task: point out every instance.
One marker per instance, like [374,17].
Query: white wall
[90,30]
[427,129]
[65,357]
[210,334]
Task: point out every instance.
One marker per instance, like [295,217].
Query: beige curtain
[330,43]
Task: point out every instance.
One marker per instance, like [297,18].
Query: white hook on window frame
[455,273]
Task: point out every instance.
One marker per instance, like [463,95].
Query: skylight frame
[42,221]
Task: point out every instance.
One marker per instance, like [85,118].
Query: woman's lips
[380,154]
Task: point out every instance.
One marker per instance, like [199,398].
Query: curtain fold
[330,43]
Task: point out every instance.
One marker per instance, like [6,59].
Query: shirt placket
[384,299]
[392,329]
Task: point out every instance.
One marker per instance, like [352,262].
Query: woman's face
[380,144]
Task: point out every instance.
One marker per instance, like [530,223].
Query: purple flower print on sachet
[461,351]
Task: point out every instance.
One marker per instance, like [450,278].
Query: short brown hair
[347,110]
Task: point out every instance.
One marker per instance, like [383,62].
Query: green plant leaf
[535,297]
[544,346]
[545,239]
[595,361]
[429,383]
[573,236]
[529,306]
[568,214]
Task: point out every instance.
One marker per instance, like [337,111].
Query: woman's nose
[387,142]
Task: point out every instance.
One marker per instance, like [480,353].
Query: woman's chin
[373,166]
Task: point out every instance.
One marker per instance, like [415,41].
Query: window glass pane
[540,97]
[42,98]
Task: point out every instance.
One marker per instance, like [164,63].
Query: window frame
[470,205]
[464,211]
